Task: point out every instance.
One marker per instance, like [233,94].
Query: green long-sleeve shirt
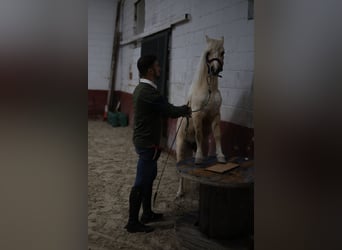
[149,108]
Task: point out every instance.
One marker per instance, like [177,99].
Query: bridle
[209,78]
[208,62]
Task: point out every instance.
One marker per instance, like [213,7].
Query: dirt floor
[111,173]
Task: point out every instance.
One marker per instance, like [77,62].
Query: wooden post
[116,44]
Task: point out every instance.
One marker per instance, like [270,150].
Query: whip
[167,158]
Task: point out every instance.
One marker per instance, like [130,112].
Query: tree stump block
[225,212]
[226,203]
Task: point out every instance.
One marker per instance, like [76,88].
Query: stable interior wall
[101,25]
[228,18]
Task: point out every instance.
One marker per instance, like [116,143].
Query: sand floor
[111,173]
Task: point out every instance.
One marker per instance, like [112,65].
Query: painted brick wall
[128,57]
[101,25]
[214,18]
[127,19]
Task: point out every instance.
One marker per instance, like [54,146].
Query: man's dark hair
[144,63]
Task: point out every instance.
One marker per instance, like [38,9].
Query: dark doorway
[158,44]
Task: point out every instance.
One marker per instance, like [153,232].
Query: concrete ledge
[181,19]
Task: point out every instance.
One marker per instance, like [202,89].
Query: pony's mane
[200,73]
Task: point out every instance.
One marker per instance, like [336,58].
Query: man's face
[156,70]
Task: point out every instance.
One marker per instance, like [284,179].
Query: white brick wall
[101,24]
[128,56]
[127,20]
[215,18]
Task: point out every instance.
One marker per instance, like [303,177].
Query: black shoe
[138,227]
[151,217]
[148,215]
[134,224]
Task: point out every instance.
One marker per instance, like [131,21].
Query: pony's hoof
[221,159]
[179,195]
[198,160]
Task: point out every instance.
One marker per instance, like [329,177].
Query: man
[149,108]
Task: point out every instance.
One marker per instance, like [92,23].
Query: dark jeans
[146,167]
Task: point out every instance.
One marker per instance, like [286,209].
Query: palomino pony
[205,101]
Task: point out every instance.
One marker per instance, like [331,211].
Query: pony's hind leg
[185,142]
[198,126]
[180,188]
[180,142]
[183,151]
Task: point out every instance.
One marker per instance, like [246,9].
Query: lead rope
[167,158]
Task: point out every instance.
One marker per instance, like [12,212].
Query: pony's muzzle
[215,66]
[215,69]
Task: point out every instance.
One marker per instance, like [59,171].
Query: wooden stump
[190,189]
[226,203]
[189,237]
[225,212]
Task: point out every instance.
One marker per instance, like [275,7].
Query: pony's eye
[222,53]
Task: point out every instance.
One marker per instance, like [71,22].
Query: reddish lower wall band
[126,104]
[235,139]
[97,99]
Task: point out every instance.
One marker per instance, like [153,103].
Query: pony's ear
[207,38]
[222,39]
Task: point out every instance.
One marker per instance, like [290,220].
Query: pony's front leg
[198,126]
[180,142]
[217,135]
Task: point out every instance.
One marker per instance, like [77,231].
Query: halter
[208,62]
[209,78]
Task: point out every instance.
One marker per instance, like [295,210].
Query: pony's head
[214,55]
